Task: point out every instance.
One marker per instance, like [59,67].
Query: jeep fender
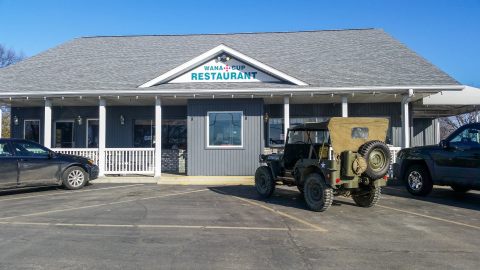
[312,169]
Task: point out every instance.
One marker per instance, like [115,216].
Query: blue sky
[447,33]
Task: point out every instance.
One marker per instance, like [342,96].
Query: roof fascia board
[253,91]
[185,67]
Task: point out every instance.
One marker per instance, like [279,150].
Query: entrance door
[64,134]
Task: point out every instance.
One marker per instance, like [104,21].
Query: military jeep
[343,156]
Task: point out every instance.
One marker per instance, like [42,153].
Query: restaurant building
[219,100]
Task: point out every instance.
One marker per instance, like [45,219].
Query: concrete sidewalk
[173,179]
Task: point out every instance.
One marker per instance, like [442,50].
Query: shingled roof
[332,58]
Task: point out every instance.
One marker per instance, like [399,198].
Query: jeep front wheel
[318,196]
[367,196]
[264,182]
[417,180]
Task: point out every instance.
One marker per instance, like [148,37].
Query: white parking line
[104,204]
[311,225]
[66,192]
[431,217]
[155,226]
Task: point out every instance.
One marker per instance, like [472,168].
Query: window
[64,134]
[174,134]
[31,130]
[29,149]
[4,150]
[225,129]
[143,133]
[470,137]
[359,133]
[92,133]
[276,138]
[306,137]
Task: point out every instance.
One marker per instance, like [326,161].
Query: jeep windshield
[308,137]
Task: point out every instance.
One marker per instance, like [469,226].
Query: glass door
[92,133]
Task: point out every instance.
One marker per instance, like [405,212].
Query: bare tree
[7,57]
[450,124]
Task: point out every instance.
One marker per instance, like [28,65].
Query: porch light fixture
[79,120]
[122,120]
[266,117]
[15,120]
[223,58]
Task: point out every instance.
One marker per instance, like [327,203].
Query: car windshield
[29,149]
[308,136]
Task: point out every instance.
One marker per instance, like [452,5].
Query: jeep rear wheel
[264,182]
[378,157]
[417,180]
[367,196]
[318,196]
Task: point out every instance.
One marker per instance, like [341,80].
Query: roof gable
[223,64]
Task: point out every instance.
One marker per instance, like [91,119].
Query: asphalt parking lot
[143,226]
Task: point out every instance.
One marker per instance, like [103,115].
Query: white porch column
[344,106]
[158,137]
[406,119]
[47,124]
[1,120]
[102,118]
[286,116]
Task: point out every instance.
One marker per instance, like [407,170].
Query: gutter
[251,91]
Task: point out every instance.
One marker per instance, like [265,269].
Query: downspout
[406,118]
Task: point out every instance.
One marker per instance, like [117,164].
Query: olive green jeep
[343,156]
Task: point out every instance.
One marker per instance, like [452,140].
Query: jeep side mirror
[443,144]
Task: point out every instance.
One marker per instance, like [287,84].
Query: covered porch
[118,132]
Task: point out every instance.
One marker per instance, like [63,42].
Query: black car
[454,162]
[25,163]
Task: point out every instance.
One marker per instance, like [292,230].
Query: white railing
[129,160]
[393,153]
[90,153]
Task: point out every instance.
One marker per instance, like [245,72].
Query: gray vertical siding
[423,132]
[244,161]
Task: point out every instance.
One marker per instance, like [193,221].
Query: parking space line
[155,226]
[430,217]
[104,204]
[315,227]
[66,192]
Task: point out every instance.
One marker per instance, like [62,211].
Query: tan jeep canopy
[349,133]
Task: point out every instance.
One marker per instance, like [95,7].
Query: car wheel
[418,181]
[74,178]
[318,196]
[460,189]
[264,182]
[367,196]
[378,158]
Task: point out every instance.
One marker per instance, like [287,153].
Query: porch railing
[91,153]
[118,160]
[129,160]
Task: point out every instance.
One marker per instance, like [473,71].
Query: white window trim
[86,131]
[55,131]
[224,146]
[39,128]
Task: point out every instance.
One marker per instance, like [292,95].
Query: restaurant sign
[223,70]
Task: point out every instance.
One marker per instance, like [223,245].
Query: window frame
[242,128]
[86,131]
[39,128]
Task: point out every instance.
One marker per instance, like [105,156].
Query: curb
[179,180]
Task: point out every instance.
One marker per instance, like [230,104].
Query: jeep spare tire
[378,158]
